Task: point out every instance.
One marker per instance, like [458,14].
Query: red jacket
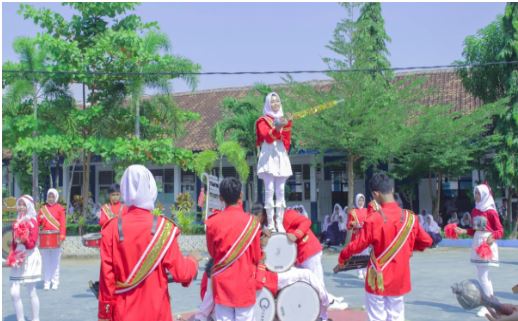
[299,225]
[150,299]
[115,208]
[235,286]
[267,278]
[379,235]
[493,222]
[30,243]
[58,212]
[266,132]
[361,214]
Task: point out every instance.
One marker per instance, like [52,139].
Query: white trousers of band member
[17,300]
[274,184]
[314,264]
[295,275]
[385,308]
[206,307]
[225,313]
[483,279]
[51,259]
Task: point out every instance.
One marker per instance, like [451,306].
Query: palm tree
[29,88]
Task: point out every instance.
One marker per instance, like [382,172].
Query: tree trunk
[137,117]
[437,191]
[221,167]
[432,194]
[35,169]
[350,180]
[514,230]
[69,186]
[86,182]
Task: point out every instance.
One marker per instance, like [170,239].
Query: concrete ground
[433,272]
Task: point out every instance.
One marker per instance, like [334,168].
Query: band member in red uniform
[136,251]
[24,257]
[393,233]
[51,217]
[486,228]
[309,249]
[115,208]
[233,241]
[355,219]
[273,132]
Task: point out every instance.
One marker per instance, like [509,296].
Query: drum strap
[375,273]
[151,258]
[239,247]
[51,219]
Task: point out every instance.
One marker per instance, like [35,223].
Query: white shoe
[46,286]
[54,286]
[360,275]
[482,312]
[338,299]
[338,306]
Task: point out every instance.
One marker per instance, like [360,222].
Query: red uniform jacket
[300,226]
[150,299]
[30,243]
[375,232]
[235,286]
[493,222]
[266,132]
[361,215]
[267,278]
[115,208]
[58,212]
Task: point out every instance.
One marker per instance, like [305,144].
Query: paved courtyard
[431,299]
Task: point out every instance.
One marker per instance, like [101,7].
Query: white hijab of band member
[138,187]
[486,199]
[29,203]
[357,199]
[267,109]
[54,192]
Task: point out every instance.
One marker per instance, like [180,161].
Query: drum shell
[91,240]
[49,239]
[264,308]
[281,254]
[285,303]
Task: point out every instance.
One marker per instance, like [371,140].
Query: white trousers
[385,308]
[295,275]
[314,264]
[483,279]
[206,307]
[51,259]
[224,313]
[17,300]
[274,184]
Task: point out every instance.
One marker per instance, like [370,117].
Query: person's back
[136,251]
[233,241]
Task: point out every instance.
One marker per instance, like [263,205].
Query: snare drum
[298,302]
[264,308]
[91,240]
[49,239]
[280,252]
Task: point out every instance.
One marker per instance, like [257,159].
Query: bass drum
[280,252]
[264,309]
[298,302]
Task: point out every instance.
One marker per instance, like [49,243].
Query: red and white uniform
[355,217]
[396,276]
[150,300]
[52,257]
[116,209]
[234,287]
[273,165]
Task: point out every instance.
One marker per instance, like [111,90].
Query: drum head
[92,236]
[264,308]
[298,302]
[280,252]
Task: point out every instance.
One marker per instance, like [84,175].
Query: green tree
[105,37]
[367,124]
[498,42]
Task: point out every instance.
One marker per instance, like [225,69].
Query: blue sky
[287,36]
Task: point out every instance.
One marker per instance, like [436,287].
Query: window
[297,186]
[106,178]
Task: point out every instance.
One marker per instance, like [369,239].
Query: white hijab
[486,199]
[267,109]
[466,219]
[343,225]
[138,187]
[357,198]
[326,223]
[334,216]
[431,226]
[56,195]
[29,203]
